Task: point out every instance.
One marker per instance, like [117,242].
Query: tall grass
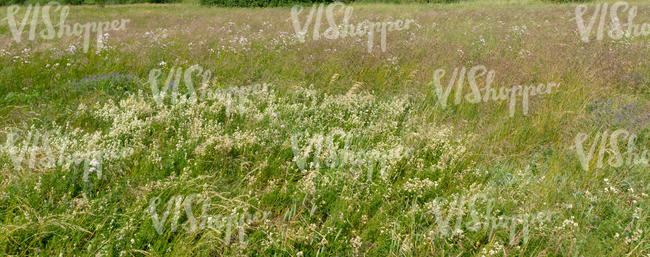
[253,150]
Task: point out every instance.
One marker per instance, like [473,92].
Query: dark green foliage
[80,2]
[10,2]
[273,3]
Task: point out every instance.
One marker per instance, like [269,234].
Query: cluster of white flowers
[23,58]
[519,30]
[283,41]
[568,224]
[418,186]
[336,151]
[46,149]
[609,187]
[481,41]
[494,250]
[103,42]
[638,234]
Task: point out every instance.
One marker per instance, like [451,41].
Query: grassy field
[322,147]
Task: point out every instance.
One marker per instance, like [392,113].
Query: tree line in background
[86,2]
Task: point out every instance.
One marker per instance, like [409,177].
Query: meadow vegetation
[346,151]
